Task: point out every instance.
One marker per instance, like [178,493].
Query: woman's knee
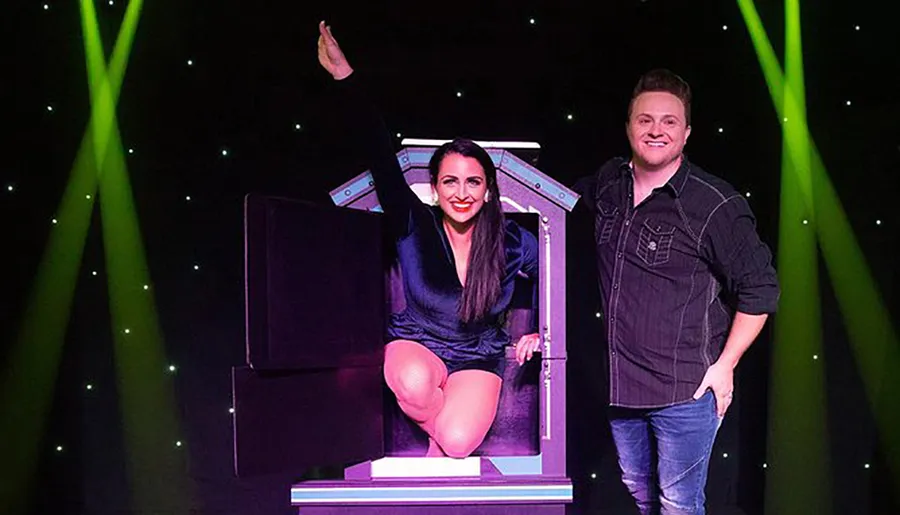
[458,440]
[411,380]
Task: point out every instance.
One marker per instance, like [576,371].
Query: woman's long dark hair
[487,257]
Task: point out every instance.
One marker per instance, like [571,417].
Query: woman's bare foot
[434,450]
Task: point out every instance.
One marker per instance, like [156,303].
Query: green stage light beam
[104,84]
[157,475]
[798,472]
[872,335]
[30,378]
[787,105]
[873,338]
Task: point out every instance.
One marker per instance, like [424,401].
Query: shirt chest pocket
[605,221]
[654,244]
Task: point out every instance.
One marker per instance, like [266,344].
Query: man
[686,286]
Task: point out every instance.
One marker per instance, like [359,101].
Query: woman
[459,259]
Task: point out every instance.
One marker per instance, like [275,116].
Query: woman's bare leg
[416,376]
[456,411]
[469,408]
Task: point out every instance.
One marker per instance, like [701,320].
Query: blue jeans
[664,454]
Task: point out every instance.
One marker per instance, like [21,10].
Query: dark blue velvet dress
[430,281]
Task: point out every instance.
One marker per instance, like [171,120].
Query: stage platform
[506,495]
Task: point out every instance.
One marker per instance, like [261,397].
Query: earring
[487,196]
[434,199]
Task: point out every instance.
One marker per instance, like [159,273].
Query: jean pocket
[606,219]
[655,242]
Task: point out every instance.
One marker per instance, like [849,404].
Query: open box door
[311,394]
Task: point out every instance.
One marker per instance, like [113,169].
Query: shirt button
[612,320]
[616,286]
[619,255]
[627,223]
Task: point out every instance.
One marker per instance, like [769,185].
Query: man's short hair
[661,79]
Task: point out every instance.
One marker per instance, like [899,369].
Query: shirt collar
[676,182]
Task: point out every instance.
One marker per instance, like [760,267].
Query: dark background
[255,75]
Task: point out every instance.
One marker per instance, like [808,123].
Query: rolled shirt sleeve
[735,251]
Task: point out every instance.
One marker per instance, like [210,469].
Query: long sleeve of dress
[398,202]
[531,269]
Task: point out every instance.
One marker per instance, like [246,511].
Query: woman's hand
[330,55]
[526,346]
